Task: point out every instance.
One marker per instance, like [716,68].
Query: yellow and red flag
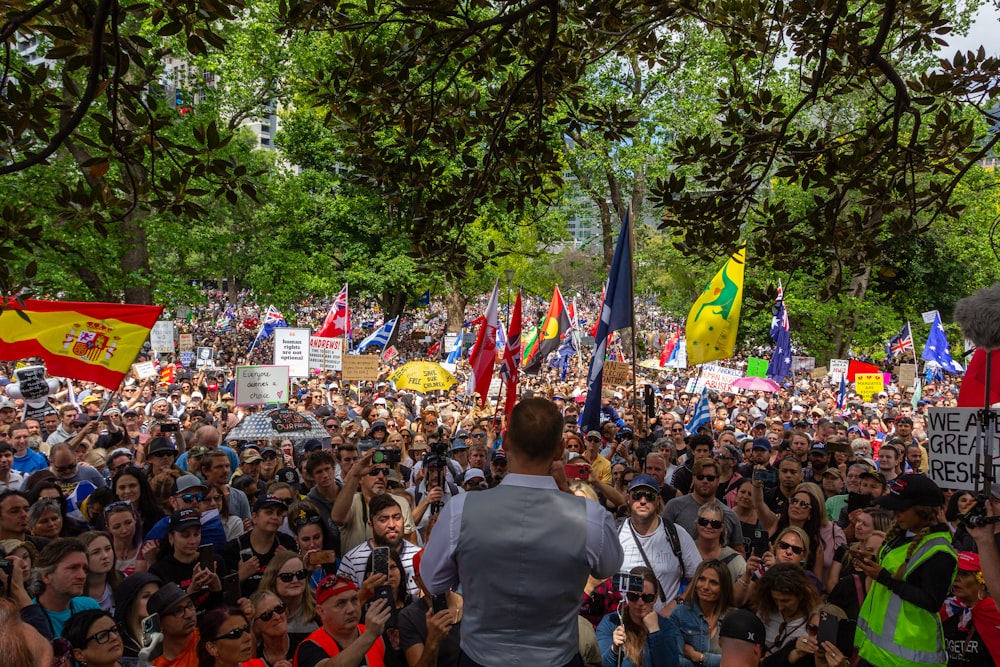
[96,342]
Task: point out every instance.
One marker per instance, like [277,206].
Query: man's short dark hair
[55,551]
[535,429]
[380,503]
[8,493]
[209,456]
[17,426]
[6,447]
[318,458]
[701,439]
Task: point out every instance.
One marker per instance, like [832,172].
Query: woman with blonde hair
[707,599]
[286,576]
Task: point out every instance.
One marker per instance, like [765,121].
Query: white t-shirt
[661,557]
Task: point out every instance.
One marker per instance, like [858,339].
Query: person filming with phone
[635,635]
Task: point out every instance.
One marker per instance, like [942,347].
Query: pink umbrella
[756,384]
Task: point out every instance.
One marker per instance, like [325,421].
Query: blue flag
[842,393]
[901,342]
[455,354]
[937,349]
[701,415]
[380,337]
[273,319]
[425,298]
[781,360]
[616,313]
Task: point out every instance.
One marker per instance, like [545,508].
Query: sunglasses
[104,636]
[648,496]
[714,523]
[593,439]
[706,478]
[677,430]
[118,504]
[331,425]
[434,423]
[785,546]
[804,504]
[288,576]
[193,497]
[235,633]
[305,521]
[69,468]
[269,614]
[375,472]
[478,436]
[648,598]
[269,456]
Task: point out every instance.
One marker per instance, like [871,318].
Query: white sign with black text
[291,348]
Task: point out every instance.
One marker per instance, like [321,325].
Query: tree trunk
[135,260]
[844,334]
[455,303]
[233,291]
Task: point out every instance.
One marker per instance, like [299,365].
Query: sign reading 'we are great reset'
[951,446]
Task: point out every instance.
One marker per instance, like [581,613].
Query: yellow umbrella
[422,376]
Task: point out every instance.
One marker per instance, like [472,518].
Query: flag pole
[913,349]
[635,350]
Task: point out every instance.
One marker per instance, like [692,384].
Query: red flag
[338,320]
[855,367]
[512,356]
[550,333]
[96,342]
[668,349]
[973,388]
[434,349]
[484,352]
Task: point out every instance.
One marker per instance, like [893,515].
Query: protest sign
[204,359]
[256,385]
[929,316]
[187,358]
[803,364]
[615,373]
[186,342]
[691,384]
[868,384]
[144,370]
[183,312]
[907,372]
[717,378]
[161,336]
[756,368]
[391,353]
[325,354]
[818,372]
[951,447]
[359,367]
[838,367]
[291,348]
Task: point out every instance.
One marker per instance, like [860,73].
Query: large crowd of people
[432,530]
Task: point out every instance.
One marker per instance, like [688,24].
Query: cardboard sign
[756,368]
[291,348]
[615,373]
[691,384]
[717,378]
[161,336]
[391,353]
[256,385]
[185,342]
[144,370]
[819,372]
[803,364]
[868,384]
[907,373]
[326,354]
[359,367]
[951,447]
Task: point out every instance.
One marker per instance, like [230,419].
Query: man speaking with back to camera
[522,552]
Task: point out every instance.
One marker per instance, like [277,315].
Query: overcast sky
[985,31]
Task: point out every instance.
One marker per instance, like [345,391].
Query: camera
[388,455]
[7,566]
[439,449]
[976,516]
[366,444]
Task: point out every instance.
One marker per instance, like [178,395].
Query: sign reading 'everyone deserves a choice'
[951,446]
[256,385]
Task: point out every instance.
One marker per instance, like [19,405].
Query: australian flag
[273,319]
[900,343]
[937,348]
[781,360]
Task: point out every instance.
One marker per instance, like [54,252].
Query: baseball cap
[458,444]
[196,394]
[968,561]
[92,398]
[473,473]
[6,403]
[119,451]
[818,447]
[378,425]
[644,480]
[250,456]
[312,445]
[762,443]
[288,476]
[184,519]
[798,409]
[499,454]
[162,600]
[908,490]
[833,472]
[759,424]
[186,483]
[212,387]
[742,625]
[130,412]
[593,434]
[268,501]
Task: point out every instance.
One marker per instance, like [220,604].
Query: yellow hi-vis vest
[895,633]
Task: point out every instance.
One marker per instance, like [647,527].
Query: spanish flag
[95,342]
[715,315]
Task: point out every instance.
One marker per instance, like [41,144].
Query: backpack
[675,545]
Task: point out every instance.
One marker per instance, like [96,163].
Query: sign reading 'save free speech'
[256,385]
[951,446]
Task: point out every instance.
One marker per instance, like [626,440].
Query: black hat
[268,501]
[160,444]
[184,519]
[908,490]
[165,598]
[312,445]
[762,443]
[742,625]
[125,593]
[288,476]
[874,474]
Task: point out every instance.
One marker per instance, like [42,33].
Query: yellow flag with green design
[715,316]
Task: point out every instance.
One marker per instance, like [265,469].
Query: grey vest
[522,561]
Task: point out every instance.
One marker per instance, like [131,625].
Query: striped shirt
[353,564]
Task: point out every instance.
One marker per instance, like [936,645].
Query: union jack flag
[273,319]
[901,342]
